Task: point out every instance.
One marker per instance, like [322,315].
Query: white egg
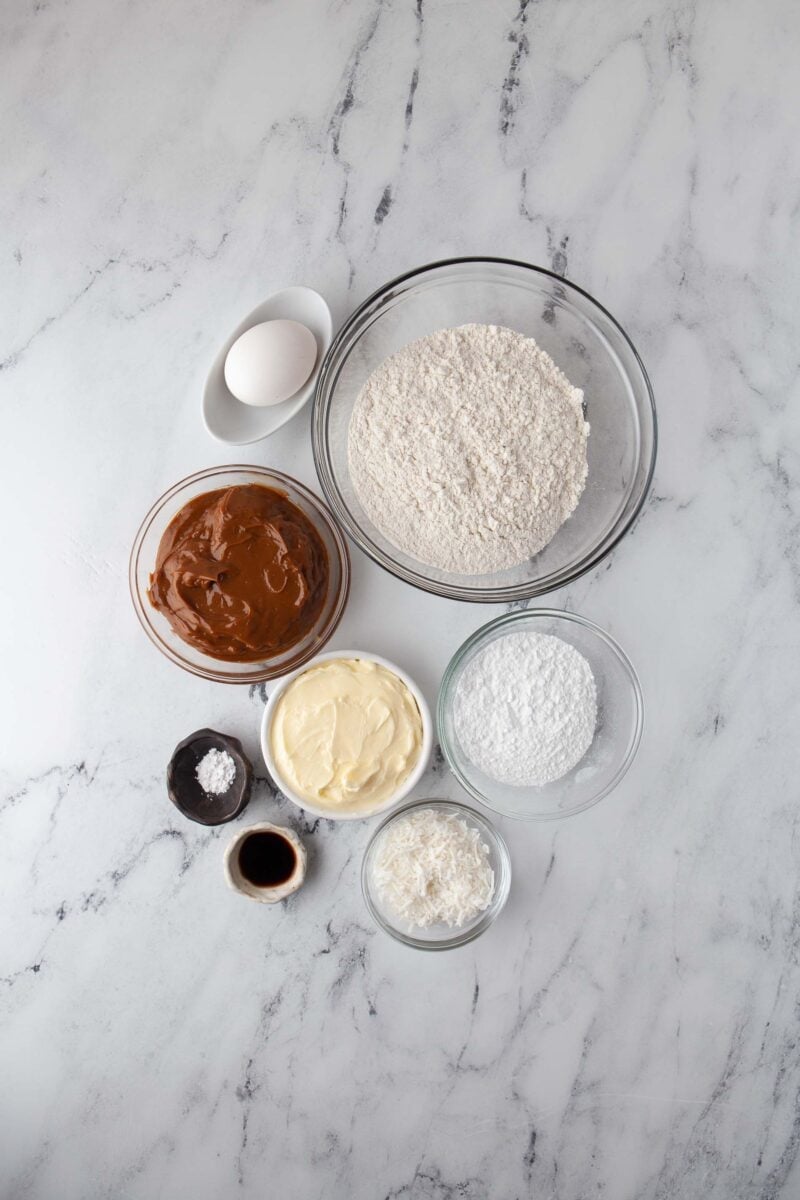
[270,362]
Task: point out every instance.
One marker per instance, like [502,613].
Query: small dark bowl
[184,788]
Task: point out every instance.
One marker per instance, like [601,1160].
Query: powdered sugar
[216,772]
[467,448]
[525,708]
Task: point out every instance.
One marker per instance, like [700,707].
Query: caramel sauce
[241,573]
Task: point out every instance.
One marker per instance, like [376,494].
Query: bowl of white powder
[435,874]
[484,429]
[540,714]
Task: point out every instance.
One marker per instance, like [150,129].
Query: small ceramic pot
[265,894]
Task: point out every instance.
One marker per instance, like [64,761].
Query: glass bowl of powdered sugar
[484,429]
[540,714]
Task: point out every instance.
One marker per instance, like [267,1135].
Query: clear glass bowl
[620,720]
[440,937]
[585,342]
[143,557]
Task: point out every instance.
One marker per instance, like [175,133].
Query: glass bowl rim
[260,673]
[503,885]
[319,444]
[445,697]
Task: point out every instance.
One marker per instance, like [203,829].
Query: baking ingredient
[185,789]
[267,858]
[467,448]
[241,573]
[346,734]
[269,362]
[266,863]
[431,867]
[216,772]
[525,708]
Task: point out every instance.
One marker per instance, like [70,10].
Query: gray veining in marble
[629,1028]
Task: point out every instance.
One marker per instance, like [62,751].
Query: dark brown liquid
[267,859]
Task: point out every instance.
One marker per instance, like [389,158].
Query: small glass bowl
[620,720]
[143,557]
[582,338]
[439,937]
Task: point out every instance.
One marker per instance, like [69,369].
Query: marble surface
[629,1027]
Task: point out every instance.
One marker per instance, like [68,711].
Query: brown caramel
[241,573]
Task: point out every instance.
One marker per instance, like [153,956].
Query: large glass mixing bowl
[584,340]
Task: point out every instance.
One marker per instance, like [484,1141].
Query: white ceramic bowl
[225,417]
[409,783]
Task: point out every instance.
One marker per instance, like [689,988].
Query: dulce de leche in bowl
[241,573]
[245,580]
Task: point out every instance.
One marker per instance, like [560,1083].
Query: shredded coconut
[216,772]
[525,709]
[467,448]
[432,867]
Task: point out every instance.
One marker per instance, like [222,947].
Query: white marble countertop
[628,1029]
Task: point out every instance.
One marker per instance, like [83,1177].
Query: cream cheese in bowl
[347,736]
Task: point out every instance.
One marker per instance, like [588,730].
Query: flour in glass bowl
[525,709]
[467,448]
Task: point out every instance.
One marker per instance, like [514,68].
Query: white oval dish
[409,783]
[225,417]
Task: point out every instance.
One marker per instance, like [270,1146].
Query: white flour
[525,709]
[467,448]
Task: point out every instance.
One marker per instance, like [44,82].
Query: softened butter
[346,734]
